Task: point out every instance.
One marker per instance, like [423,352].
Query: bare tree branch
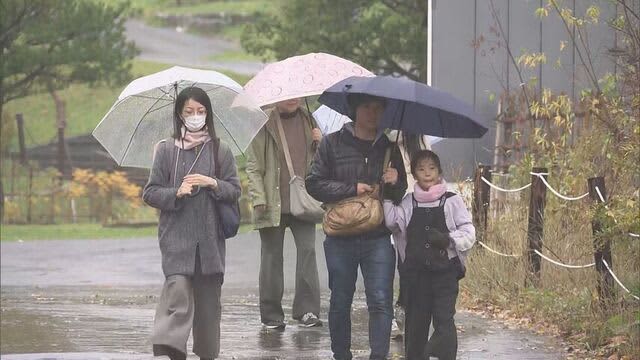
[512,58]
[591,71]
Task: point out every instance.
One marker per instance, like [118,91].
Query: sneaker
[276,325]
[310,320]
[396,332]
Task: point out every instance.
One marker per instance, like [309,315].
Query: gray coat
[191,221]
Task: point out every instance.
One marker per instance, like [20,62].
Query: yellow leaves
[531,60]
[563,44]
[76,190]
[542,12]
[593,13]
[104,184]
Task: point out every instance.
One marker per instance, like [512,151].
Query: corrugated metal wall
[472,69]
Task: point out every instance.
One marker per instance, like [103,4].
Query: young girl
[433,231]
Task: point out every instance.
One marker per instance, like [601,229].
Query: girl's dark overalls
[429,283]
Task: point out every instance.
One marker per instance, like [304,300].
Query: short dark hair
[424,155]
[196,94]
[355,99]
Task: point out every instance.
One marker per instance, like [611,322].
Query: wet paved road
[95,299]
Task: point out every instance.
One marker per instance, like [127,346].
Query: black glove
[438,239]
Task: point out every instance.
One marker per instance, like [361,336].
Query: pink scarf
[434,193]
[192,139]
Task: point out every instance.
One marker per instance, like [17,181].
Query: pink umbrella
[300,76]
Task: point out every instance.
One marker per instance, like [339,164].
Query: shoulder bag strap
[285,147]
[215,144]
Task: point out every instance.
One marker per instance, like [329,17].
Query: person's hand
[184,190]
[259,211]
[316,134]
[201,180]
[363,188]
[390,176]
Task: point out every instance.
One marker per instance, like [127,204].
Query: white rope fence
[561,264]
[544,181]
[600,195]
[496,252]
[568,198]
[501,189]
[569,266]
[617,280]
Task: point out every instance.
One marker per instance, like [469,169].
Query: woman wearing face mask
[182,184]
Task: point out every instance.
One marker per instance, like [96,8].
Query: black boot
[172,353]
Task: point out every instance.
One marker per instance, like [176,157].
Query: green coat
[263,167]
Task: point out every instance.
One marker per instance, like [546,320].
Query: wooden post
[62,154]
[481,196]
[535,228]
[13,176]
[22,149]
[602,246]
[52,214]
[29,194]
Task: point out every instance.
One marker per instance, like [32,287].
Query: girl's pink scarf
[434,193]
[192,139]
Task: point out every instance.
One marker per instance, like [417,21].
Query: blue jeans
[376,258]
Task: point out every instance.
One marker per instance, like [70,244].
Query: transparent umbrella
[143,114]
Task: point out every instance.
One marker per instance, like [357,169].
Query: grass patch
[72,231]
[233,7]
[80,231]
[566,298]
[85,106]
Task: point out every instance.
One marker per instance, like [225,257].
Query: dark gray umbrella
[411,106]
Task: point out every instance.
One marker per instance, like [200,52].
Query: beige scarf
[192,139]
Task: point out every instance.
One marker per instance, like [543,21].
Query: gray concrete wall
[470,60]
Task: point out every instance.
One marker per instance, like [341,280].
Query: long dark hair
[196,94]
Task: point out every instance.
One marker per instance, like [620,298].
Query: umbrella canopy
[300,76]
[411,106]
[331,121]
[143,114]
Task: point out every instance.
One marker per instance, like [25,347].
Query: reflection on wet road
[95,300]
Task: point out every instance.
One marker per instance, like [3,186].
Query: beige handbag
[355,215]
[301,204]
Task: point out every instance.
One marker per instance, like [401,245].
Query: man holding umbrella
[350,163]
[269,175]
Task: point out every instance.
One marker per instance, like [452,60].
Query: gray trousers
[190,302]
[271,283]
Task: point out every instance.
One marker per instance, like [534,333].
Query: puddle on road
[118,322]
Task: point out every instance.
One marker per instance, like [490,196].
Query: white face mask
[195,122]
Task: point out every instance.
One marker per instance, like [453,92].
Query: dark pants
[430,297]
[271,282]
[376,258]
